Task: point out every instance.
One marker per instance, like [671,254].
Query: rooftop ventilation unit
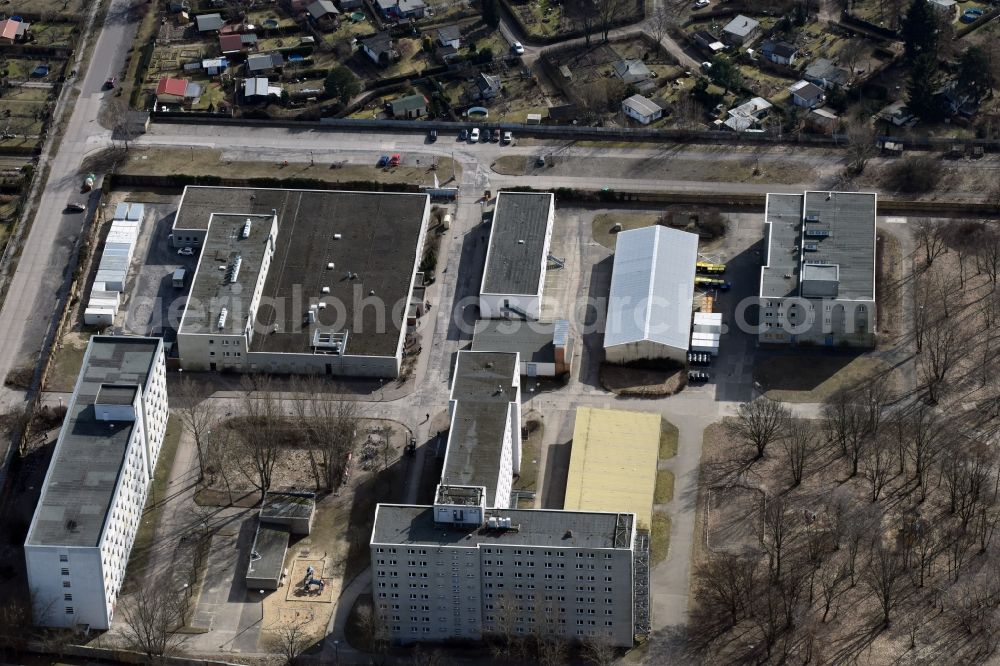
[812,218]
[222,318]
[817,233]
[329,342]
[246,229]
[235,271]
[811,247]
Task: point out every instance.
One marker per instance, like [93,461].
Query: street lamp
[336,652]
[261,607]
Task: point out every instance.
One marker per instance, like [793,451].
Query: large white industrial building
[652,293]
[517,256]
[94,491]
[299,281]
[818,283]
[470,565]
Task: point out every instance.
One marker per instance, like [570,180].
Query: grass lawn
[53,34]
[659,538]
[664,491]
[605,221]
[813,377]
[144,537]
[206,161]
[668,440]
[528,480]
[64,367]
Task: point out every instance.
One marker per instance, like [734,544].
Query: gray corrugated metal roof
[533,340]
[89,454]
[850,219]
[402,524]
[517,243]
[652,287]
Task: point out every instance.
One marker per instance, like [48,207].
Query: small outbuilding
[544,348]
[742,30]
[409,107]
[632,71]
[642,109]
[209,22]
[806,95]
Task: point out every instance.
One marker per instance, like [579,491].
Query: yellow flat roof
[612,464]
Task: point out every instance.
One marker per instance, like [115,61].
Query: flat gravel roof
[517,243]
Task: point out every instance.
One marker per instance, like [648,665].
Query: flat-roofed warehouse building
[517,256]
[612,464]
[93,495]
[818,283]
[545,348]
[299,281]
[652,293]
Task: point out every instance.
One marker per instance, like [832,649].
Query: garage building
[652,292]
[517,256]
[544,347]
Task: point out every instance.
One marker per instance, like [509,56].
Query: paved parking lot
[151,304]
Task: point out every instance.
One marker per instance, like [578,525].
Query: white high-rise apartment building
[92,499]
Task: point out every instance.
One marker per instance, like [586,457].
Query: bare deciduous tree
[778,529]
[597,652]
[930,238]
[798,445]
[292,639]
[150,617]
[860,145]
[878,465]
[758,423]
[831,580]
[727,582]
[198,415]
[942,350]
[259,444]
[884,576]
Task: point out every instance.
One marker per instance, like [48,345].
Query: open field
[72,7]
[206,161]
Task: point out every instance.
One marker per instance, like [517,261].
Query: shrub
[914,175]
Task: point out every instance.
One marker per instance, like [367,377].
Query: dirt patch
[635,382]
[605,222]
[512,165]
[209,162]
[890,273]
[815,377]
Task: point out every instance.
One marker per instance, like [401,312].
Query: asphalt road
[35,288]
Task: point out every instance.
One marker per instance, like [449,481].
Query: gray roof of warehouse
[89,455]
[483,391]
[850,217]
[403,524]
[532,340]
[514,267]
[380,233]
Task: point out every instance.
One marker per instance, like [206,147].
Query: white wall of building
[66,599]
[641,350]
[473,591]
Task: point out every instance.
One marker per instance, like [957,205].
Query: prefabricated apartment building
[471,564]
[93,495]
[299,281]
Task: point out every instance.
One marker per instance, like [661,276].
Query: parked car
[700,4]
[697,376]
[474,135]
[110,83]
[698,358]
[185,252]
[383,161]
[74,207]
[517,48]
[540,161]
[395,160]
[508,137]
[412,446]
[432,136]
[496,136]
[706,66]
[463,135]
